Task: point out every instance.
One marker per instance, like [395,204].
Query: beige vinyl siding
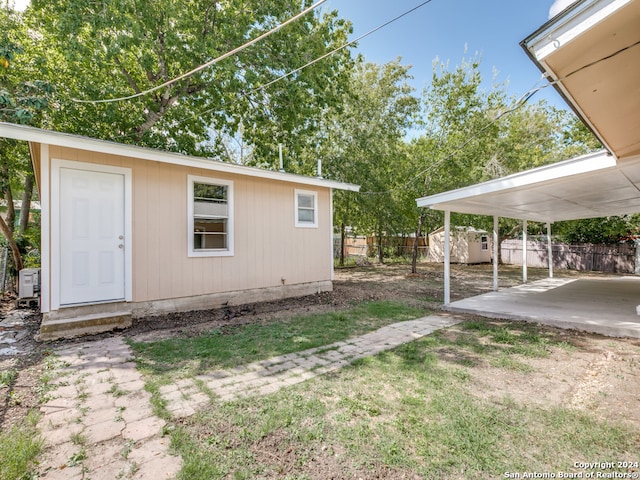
[268,247]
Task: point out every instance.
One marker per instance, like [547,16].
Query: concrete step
[88,324]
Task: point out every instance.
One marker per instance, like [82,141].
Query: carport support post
[524,251]
[496,240]
[549,250]
[447,257]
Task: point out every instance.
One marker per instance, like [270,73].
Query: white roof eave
[584,164]
[36,135]
[569,25]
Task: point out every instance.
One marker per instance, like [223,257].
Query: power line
[209,63]
[332,52]
[322,57]
[519,103]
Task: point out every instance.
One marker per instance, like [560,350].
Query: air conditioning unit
[29,285]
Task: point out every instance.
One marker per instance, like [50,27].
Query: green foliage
[362,141]
[23,97]
[7,377]
[19,447]
[608,230]
[471,136]
[115,48]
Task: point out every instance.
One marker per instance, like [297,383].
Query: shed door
[92,260]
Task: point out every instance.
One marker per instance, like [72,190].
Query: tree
[608,230]
[114,48]
[361,140]
[23,99]
[472,136]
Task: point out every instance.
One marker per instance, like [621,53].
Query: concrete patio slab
[599,305]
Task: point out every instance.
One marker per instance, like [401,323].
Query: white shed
[468,245]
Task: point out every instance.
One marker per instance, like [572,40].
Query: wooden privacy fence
[618,258]
[362,246]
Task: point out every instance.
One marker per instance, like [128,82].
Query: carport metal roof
[590,186]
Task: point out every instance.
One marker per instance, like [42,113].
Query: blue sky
[444,28]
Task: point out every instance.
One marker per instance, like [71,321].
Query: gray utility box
[28,287]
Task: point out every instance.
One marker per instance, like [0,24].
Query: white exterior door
[92,243]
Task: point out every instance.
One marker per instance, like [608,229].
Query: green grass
[19,447]
[404,413]
[7,377]
[232,346]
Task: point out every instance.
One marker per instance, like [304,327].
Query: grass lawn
[411,412]
[236,345]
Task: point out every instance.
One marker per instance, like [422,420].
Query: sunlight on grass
[234,345]
[408,412]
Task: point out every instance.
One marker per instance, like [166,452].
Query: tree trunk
[380,249]
[342,244]
[416,240]
[26,205]
[15,252]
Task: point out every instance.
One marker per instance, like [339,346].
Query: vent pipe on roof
[280,154]
[319,168]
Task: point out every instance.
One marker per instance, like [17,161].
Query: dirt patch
[588,372]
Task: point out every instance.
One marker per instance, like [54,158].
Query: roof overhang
[590,186]
[39,136]
[591,51]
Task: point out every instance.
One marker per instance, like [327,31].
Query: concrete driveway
[601,305]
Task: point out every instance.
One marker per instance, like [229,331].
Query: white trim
[45,230]
[56,165]
[524,251]
[30,134]
[331,233]
[563,29]
[447,257]
[549,250]
[496,245]
[585,164]
[303,224]
[227,252]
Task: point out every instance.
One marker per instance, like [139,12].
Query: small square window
[306,209]
[210,214]
[484,242]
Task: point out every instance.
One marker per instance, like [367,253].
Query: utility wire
[519,103]
[332,52]
[209,63]
[328,54]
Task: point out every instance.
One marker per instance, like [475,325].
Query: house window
[306,210]
[210,217]
[484,242]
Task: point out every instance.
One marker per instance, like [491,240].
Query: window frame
[303,224]
[218,252]
[484,242]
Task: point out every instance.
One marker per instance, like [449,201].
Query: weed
[126,450]
[19,447]
[116,391]
[78,439]
[77,458]
[8,377]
